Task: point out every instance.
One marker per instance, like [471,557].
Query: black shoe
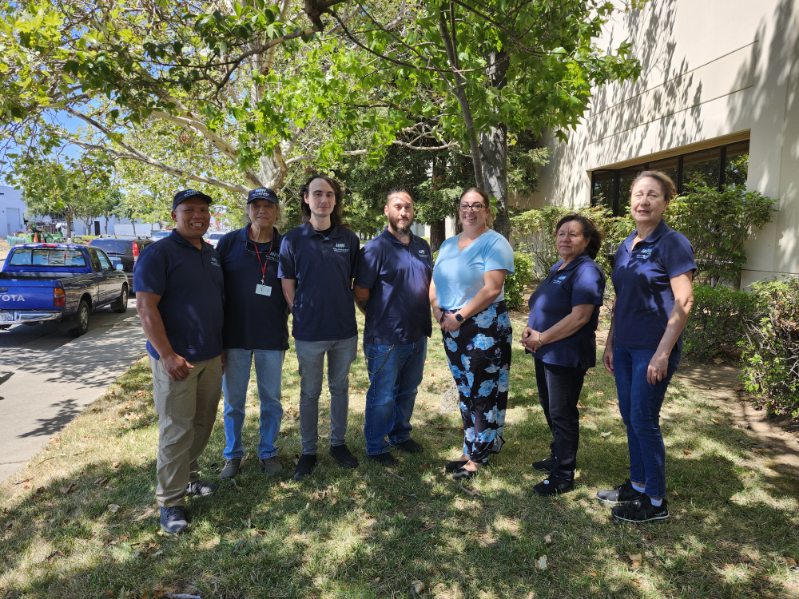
[641,510]
[200,488]
[343,456]
[173,520]
[384,459]
[496,446]
[230,469]
[463,473]
[305,465]
[546,465]
[410,446]
[454,465]
[553,486]
[621,495]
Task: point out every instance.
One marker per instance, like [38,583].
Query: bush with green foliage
[717,322]
[718,223]
[770,347]
[516,282]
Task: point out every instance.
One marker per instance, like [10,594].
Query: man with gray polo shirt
[180,299]
[391,288]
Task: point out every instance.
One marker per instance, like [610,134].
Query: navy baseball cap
[262,193]
[187,194]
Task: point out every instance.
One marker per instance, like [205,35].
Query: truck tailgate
[27,294]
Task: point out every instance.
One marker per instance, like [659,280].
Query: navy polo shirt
[642,279]
[580,282]
[191,286]
[323,267]
[252,320]
[398,279]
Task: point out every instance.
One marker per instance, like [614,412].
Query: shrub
[516,282]
[718,223]
[717,322]
[770,347]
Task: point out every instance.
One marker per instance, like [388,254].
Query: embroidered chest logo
[341,247]
[214,261]
[422,253]
[644,253]
[558,280]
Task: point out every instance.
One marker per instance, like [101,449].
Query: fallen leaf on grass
[417,587]
[541,563]
[113,508]
[687,452]
[790,562]
[548,538]
[635,560]
[9,525]
[115,465]
[605,434]
[54,555]
[101,482]
[68,489]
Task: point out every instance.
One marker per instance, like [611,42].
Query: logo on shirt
[341,247]
[644,253]
[558,280]
[214,261]
[422,252]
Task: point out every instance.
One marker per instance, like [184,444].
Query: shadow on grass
[370,532]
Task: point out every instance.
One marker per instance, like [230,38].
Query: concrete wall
[714,71]
[12,211]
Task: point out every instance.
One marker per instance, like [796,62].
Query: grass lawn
[80,520]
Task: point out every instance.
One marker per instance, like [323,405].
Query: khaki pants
[186,412]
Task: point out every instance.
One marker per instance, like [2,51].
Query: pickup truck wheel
[121,304]
[81,322]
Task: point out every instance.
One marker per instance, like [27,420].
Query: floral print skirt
[479,355]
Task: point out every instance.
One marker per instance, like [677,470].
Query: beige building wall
[714,71]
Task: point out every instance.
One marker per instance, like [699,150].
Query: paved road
[46,379]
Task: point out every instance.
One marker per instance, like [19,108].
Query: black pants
[559,391]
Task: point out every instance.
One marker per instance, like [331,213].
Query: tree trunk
[494,148]
[438,232]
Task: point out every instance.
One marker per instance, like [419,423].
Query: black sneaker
[496,446]
[173,520]
[621,495]
[343,456]
[199,488]
[546,465]
[410,446]
[305,466]
[641,510]
[553,486]
[230,469]
[384,459]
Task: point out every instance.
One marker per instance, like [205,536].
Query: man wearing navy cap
[256,330]
[391,288]
[179,296]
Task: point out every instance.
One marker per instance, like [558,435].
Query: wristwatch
[458,317]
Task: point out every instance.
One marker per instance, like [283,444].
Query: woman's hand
[531,339]
[657,369]
[449,323]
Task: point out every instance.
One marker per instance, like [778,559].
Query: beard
[394,223]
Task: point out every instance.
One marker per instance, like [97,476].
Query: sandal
[463,473]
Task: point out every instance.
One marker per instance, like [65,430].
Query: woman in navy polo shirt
[256,329]
[468,301]
[560,332]
[652,276]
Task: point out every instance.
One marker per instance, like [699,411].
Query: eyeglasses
[473,207]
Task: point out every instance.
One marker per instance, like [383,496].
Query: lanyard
[265,265]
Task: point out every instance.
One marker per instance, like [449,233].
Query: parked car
[127,250]
[60,282]
[156,235]
[214,236]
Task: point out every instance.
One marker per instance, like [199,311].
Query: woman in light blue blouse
[468,301]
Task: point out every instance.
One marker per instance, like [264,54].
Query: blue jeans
[639,404]
[395,372]
[268,369]
[311,357]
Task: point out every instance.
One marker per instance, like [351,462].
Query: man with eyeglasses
[256,330]
[391,287]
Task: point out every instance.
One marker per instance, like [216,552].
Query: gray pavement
[46,379]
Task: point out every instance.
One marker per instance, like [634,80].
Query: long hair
[336,217]
[590,232]
[666,184]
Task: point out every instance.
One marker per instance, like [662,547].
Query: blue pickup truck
[59,282]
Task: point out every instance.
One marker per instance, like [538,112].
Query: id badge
[263,290]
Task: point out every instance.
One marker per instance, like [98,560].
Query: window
[714,167]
